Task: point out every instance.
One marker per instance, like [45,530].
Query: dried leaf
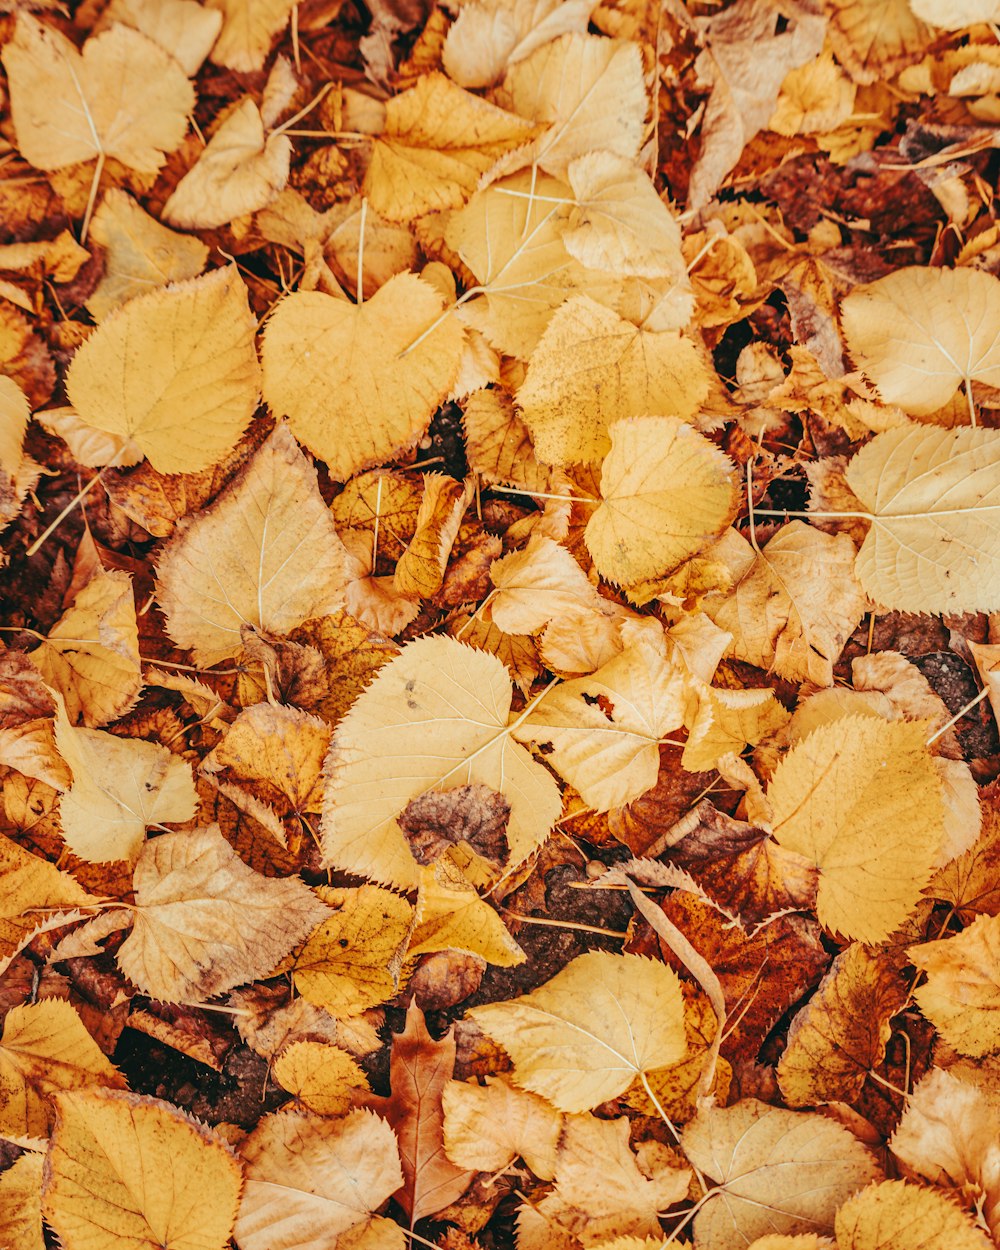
[486,1127]
[322,1078]
[21,1203]
[248,29]
[962,989]
[896,1215]
[181,27]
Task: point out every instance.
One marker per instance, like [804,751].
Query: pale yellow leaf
[825,794]
[175,371]
[795,603]
[15,414]
[343,376]
[793,1241]
[897,1215]
[489,35]
[122,97]
[183,28]
[604,730]
[778,1171]
[120,786]
[351,961]
[125,1170]
[583,1037]
[265,554]
[21,1203]
[728,721]
[437,143]
[88,445]
[668,492]
[921,333]
[435,717]
[139,253]
[309,1180]
[537,585]
[814,97]
[956,14]
[874,39]
[934,499]
[589,90]
[619,223]
[46,1048]
[961,995]
[91,655]
[486,1127]
[241,170]
[322,1078]
[451,916]
[590,368]
[248,29]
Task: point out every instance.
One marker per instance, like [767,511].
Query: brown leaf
[436,821]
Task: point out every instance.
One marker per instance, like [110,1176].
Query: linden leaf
[921,333]
[841,1033]
[934,500]
[128,1170]
[241,170]
[605,729]
[182,27]
[435,717]
[954,14]
[205,922]
[824,794]
[777,1171]
[486,1127]
[537,585]
[120,786]
[265,554]
[437,143]
[46,1048]
[873,39]
[122,97]
[667,491]
[590,368]
[343,375]
[139,253]
[322,1078]
[451,916]
[586,1034]
[589,90]
[962,992]
[351,960]
[248,29]
[309,1180]
[897,1215]
[497,443]
[21,1203]
[175,371]
[31,889]
[421,567]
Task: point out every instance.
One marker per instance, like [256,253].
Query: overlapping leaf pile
[476,478]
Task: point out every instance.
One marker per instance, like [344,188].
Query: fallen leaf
[872,38]
[450,915]
[181,27]
[486,1127]
[420,569]
[248,30]
[489,35]
[31,889]
[498,444]
[897,1215]
[962,989]
[321,1078]
[21,1203]
[439,820]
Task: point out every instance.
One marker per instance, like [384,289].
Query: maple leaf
[897,1215]
[174,371]
[265,554]
[963,986]
[309,1180]
[451,704]
[582,1038]
[420,1069]
[136,1170]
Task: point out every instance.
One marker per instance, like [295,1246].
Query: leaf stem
[74,502]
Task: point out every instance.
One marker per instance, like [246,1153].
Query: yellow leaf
[668,492]
[451,916]
[46,1048]
[539,584]
[873,39]
[88,445]
[486,1127]
[489,35]
[248,29]
[265,554]
[861,799]
[126,1170]
[921,333]
[801,1241]
[122,97]
[310,1180]
[583,1037]
[589,90]
[814,97]
[591,368]
[420,570]
[954,14]
[497,443]
[841,1033]
[139,253]
[15,414]
[181,27]
[30,890]
[342,375]
[605,729]
[795,603]
[897,1215]
[619,223]
[241,170]
[778,1171]
[934,500]
[323,1078]
[21,1203]
[435,717]
[728,721]
[120,786]
[961,996]
[91,655]
[351,961]
[175,371]
[437,142]
[205,922]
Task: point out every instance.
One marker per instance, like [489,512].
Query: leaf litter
[501,576]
